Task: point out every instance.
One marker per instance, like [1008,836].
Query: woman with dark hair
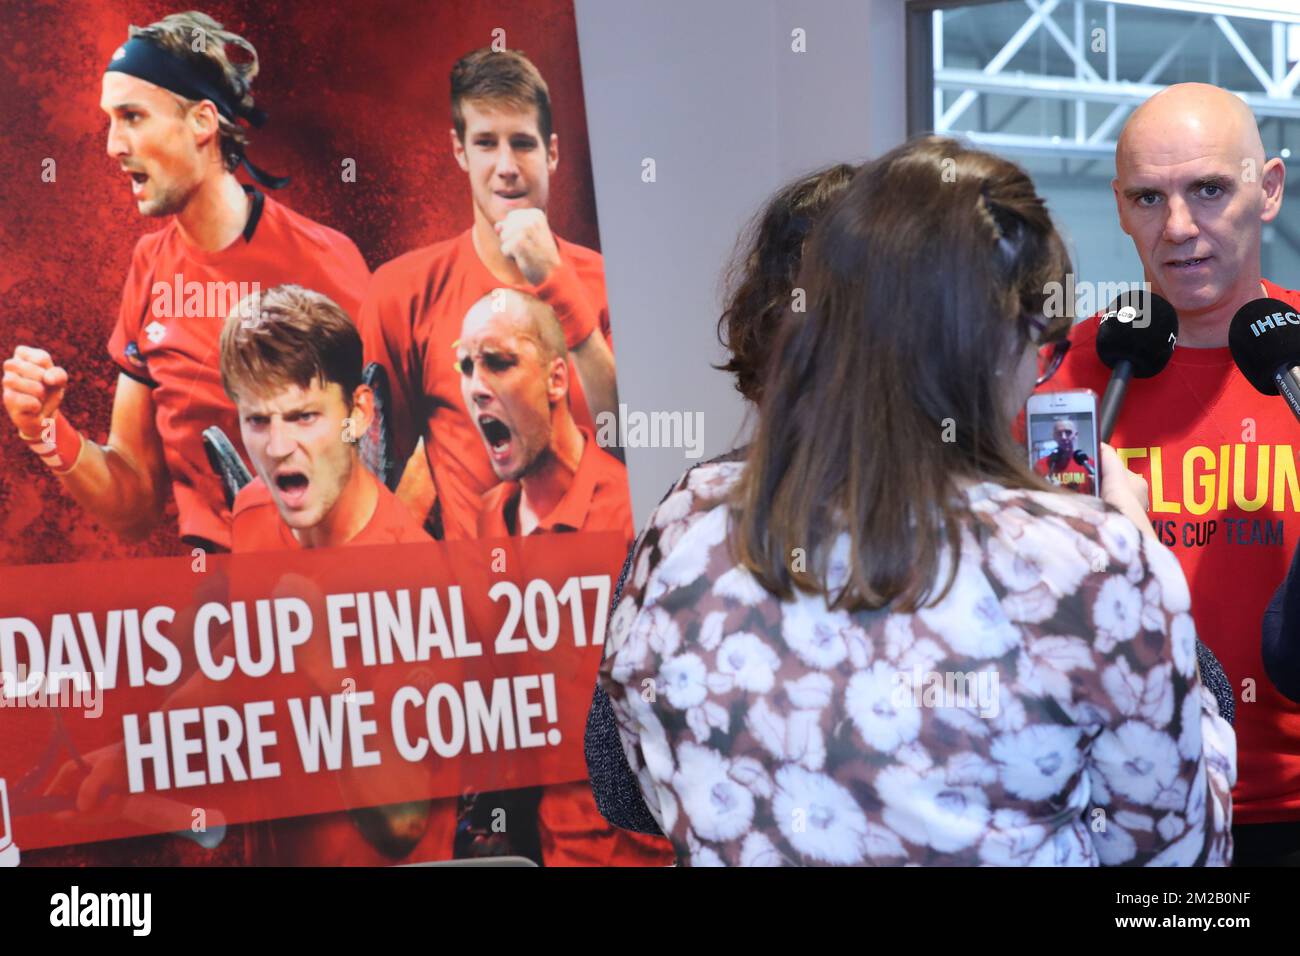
[761,287]
[881,639]
[762,274]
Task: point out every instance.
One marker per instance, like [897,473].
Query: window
[1050,83]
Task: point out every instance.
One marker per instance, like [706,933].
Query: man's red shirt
[332,839]
[170,341]
[573,832]
[597,499]
[1220,459]
[1072,476]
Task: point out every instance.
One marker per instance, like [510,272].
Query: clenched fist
[33,389]
[526,238]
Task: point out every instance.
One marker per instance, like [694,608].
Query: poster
[310,520]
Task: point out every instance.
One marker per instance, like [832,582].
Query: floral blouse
[1047,712]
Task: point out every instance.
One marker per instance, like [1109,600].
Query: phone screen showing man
[1063,449]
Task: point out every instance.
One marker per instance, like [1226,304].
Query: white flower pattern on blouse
[776,734]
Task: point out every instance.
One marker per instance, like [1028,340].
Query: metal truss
[1274,99]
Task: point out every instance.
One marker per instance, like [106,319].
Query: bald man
[1194,189]
[1060,466]
[554,478]
[515,383]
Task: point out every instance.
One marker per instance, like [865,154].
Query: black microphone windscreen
[1264,336]
[1141,327]
[1081,456]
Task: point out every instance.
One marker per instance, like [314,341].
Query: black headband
[146,60]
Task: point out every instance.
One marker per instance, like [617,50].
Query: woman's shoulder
[1027,536]
[699,490]
[1016,512]
[691,520]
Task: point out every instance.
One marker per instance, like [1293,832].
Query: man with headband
[502,138]
[176,100]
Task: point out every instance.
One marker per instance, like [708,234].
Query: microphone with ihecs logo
[1135,339]
[1265,341]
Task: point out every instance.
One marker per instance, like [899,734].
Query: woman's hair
[760,280]
[208,45]
[891,391]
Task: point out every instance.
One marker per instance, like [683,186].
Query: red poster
[310,496]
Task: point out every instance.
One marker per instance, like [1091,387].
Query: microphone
[1081,457]
[1265,342]
[1135,339]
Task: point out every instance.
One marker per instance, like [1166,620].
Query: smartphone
[1061,431]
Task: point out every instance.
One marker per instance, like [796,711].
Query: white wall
[712,91]
[1084,210]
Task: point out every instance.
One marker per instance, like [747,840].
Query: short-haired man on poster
[294,372]
[554,478]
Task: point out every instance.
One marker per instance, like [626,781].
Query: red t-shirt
[411,318]
[597,500]
[174,304]
[332,839]
[1073,476]
[1221,463]
[573,832]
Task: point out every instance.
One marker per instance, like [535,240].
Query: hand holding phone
[1126,491]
